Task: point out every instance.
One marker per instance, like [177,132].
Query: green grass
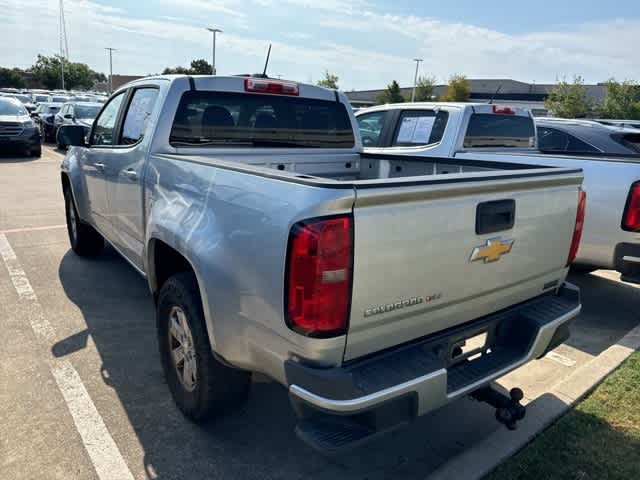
[599,439]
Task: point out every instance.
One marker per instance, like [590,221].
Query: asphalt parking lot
[79,367]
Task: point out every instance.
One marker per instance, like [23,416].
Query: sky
[367,43]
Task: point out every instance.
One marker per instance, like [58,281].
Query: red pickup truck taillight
[577,230]
[631,217]
[318,276]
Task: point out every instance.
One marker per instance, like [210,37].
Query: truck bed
[346,170]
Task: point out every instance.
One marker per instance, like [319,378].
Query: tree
[329,80]
[458,89]
[176,70]
[568,100]
[201,67]
[11,78]
[622,100]
[392,94]
[198,67]
[424,89]
[48,70]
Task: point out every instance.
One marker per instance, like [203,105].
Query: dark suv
[17,130]
[44,116]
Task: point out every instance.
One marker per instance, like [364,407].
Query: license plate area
[470,346]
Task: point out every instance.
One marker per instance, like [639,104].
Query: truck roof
[236,83]
[476,106]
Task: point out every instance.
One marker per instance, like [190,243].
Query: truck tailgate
[420,267]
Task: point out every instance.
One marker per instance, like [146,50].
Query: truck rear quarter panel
[233,228]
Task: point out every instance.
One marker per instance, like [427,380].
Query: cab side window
[138,114]
[420,128]
[370,125]
[105,125]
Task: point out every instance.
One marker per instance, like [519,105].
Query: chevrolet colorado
[485,132]
[374,289]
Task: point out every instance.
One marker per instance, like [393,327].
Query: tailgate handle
[495,216]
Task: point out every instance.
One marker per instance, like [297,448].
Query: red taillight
[501,110]
[319,276]
[577,230]
[631,217]
[274,87]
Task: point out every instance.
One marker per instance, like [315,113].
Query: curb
[502,444]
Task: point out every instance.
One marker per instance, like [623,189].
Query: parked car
[25,99]
[620,123]
[57,98]
[586,137]
[17,130]
[40,98]
[272,244]
[75,113]
[44,116]
[483,132]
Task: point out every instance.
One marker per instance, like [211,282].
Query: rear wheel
[202,386]
[85,241]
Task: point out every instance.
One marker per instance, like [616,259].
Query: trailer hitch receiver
[508,408]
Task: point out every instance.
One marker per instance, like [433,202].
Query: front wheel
[85,241]
[201,385]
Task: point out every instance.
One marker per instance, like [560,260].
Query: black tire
[36,151]
[218,389]
[85,241]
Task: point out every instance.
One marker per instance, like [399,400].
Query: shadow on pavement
[609,310]
[258,442]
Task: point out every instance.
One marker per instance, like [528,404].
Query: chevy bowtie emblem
[492,250]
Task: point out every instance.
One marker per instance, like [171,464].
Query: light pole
[110,68]
[213,50]
[415,79]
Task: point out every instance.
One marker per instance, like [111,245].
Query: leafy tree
[458,89]
[201,67]
[198,67]
[622,100]
[329,80]
[568,100]
[392,94]
[47,71]
[176,70]
[11,78]
[424,88]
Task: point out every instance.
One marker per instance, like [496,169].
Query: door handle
[99,166]
[131,174]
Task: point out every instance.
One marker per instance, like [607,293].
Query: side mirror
[34,115]
[72,135]
[68,116]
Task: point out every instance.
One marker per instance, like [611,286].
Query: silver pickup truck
[373,290]
[480,131]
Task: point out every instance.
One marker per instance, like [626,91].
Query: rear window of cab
[493,130]
[228,119]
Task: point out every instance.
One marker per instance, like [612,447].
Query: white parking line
[102,449]
[33,229]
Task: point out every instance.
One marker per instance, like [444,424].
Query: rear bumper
[393,387]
